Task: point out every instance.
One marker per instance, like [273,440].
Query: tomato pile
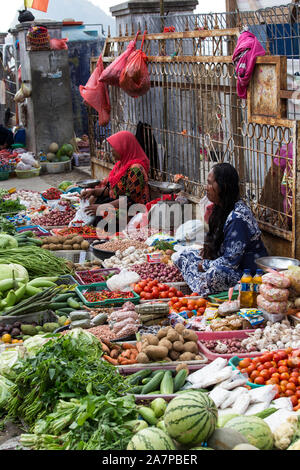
[51,194]
[280,368]
[150,289]
[188,304]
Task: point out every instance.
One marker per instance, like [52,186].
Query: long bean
[36,260]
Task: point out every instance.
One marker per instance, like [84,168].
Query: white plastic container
[58,167]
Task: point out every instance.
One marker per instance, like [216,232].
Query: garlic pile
[30,199]
[129,257]
[274,336]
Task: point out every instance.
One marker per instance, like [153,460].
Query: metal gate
[197,120]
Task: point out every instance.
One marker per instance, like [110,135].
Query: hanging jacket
[146,139]
[244,57]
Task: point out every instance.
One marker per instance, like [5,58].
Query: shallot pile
[226,346]
[55,218]
[160,271]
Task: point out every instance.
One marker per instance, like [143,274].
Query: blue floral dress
[241,246]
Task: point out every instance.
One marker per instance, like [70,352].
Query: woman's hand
[200,267]
[92,209]
[87,193]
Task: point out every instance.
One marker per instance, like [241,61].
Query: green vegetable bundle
[37,261]
[89,423]
[11,207]
[68,366]
[6,226]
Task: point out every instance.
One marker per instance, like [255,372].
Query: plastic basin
[213,336]
[234,362]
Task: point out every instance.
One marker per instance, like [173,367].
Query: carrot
[128,346]
[126,354]
[126,362]
[111,360]
[105,348]
[114,353]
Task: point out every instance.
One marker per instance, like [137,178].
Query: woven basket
[38,39]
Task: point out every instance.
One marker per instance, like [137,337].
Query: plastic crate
[38,317]
[37,229]
[56,231]
[234,362]
[4,175]
[208,336]
[103,272]
[99,286]
[74,255]
[66,280]
[222,297]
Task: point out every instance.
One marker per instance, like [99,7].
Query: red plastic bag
[58,44]
[96,94]
[111,75]
[135,78]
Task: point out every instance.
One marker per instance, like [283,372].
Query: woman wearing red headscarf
[129,176]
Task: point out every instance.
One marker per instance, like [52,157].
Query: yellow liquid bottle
[257,281]
[246,294]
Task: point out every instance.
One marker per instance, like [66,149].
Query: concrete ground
[43,182]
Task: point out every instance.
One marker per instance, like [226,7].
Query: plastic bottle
[246,294]
[257,281]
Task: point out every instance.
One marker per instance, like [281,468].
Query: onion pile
[225,346]
[160,271]
[55,218]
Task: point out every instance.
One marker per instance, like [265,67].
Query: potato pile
[69,242]
[169,344]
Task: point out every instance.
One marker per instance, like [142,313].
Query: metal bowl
[278,263]
[88,183]
[165,187]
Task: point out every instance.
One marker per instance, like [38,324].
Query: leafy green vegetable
[6,226]
[5,386]
[164,246]
[89,423]
[8,271]
[11,207]
[63,367]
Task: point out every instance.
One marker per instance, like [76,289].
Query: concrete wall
[51,99]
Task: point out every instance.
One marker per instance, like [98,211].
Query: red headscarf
[131,153]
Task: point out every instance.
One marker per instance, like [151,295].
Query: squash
[51,157]
[53,148]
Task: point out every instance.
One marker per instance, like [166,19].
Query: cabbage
[5,394]
[8,359]
[7,241]
[86,342]
[6,272]
[34,344]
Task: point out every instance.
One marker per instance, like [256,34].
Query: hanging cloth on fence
[111,75]
[95,94]
[244,58]
[148,143]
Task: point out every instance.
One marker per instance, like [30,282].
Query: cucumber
[136,390]
[179,380]
[73,303]
[63,297]
[66,310]
[146,380]
[155,392]
[167,384]
[155,372]
[148,415]
[265,413]
[59,306]
[153,384]
[136,378]
[159,406]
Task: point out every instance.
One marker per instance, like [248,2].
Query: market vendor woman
[232,243]
[6,138]
[129,176]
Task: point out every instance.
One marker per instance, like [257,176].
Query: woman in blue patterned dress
[233,241]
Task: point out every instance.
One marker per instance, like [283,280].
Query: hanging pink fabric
[111,75]
[244,57]
[96,94]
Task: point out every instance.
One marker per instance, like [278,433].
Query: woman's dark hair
[227,179]
[6,136]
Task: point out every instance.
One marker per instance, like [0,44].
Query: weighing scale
[160,215]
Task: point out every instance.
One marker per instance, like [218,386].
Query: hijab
[131,153]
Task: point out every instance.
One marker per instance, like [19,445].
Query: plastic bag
[96,94]
[135,77]
[293,274]
[263,394]
[123,282]
[58,44]
[28,159]
[81,216]
[191,231]
[23,167]
[111,75]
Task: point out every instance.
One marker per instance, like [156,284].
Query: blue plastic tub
[234,362]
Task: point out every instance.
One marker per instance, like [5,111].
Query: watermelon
[201,448]
[151,439]
[191,418]
[222,420]
[255,429]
